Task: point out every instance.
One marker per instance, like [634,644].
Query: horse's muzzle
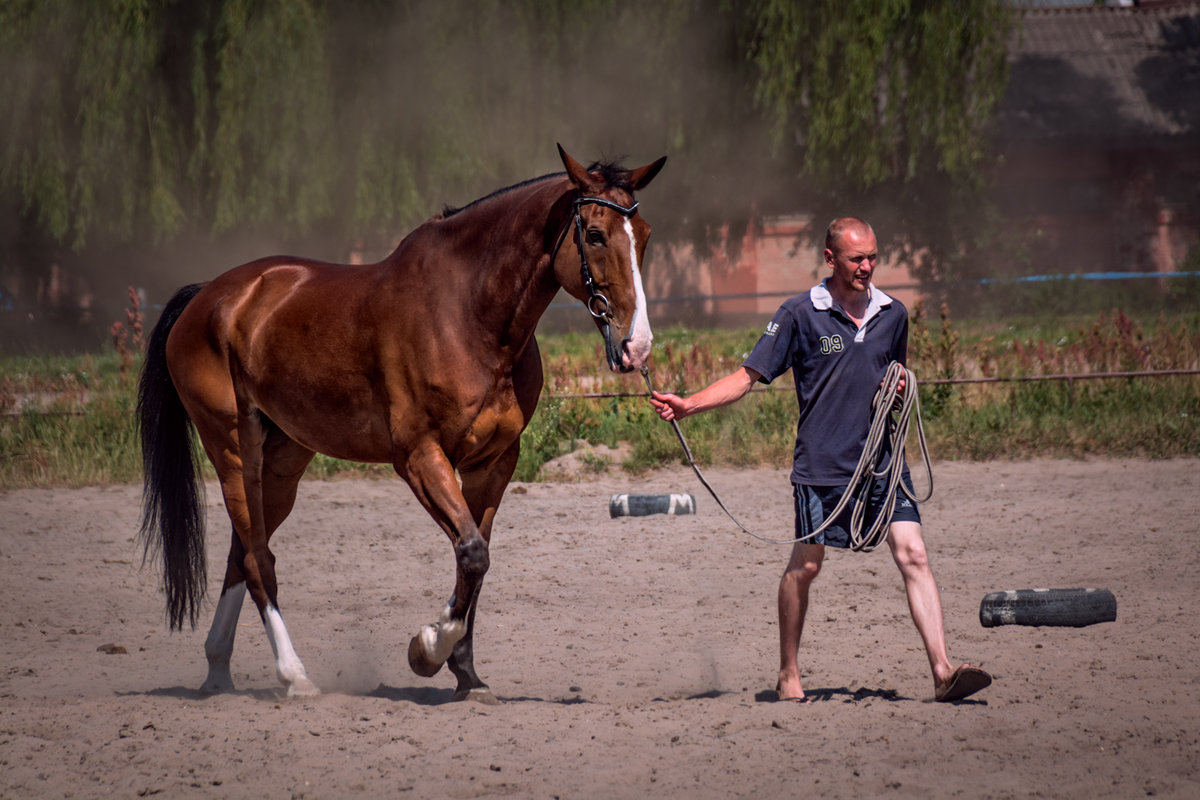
[627,354]
[622,357]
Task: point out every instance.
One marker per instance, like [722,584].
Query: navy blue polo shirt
[837,368]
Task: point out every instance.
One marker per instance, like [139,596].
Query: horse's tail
[172,494]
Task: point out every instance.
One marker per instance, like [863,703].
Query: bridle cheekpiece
[596,304]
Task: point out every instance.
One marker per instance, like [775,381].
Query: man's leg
[802,569]
[908,548]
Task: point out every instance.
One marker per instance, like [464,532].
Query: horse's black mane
[615,177]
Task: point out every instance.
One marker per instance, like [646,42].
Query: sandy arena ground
[635,657]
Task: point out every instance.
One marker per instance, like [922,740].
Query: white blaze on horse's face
[637,345]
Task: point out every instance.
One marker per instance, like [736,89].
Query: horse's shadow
[417,695]
[430,696]
[198,695]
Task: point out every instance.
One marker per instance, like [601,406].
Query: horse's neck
[501,247]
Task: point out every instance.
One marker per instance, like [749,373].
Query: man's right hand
[669,406]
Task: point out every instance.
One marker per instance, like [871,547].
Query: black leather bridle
[596,304]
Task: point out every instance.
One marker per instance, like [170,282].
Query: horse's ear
[640,178]
[578,175]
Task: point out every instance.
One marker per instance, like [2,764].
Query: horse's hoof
[216,687]
[481,694]
[218,679]
[419,662]
[303,687]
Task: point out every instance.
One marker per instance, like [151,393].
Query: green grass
[69,421]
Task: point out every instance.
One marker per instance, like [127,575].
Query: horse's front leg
[483,490]
[432,479]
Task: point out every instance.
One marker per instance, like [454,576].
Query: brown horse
[426,361]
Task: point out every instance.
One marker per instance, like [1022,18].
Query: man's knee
[912,560]
[802,572]
[908,548]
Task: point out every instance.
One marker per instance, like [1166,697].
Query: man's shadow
[847,695]
[842,693]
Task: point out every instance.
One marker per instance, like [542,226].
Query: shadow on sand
[184,693]
[844,694]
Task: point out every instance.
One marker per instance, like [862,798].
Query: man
[838,339]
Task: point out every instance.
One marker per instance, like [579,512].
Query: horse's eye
[595,236]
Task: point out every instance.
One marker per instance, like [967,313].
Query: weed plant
[70,421]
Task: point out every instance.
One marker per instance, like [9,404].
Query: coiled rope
[895,405]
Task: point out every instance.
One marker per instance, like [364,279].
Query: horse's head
[603,269]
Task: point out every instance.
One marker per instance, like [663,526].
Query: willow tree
[136,124]
[883,105]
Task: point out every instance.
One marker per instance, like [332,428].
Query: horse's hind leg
[218,647]
[279,463]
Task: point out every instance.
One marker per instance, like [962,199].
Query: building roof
[1091,72]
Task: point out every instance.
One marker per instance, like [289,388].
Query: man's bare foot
[788,688]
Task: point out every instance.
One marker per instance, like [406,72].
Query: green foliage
[67,422]
[881,106]
[274,111]
[936,356]
[161,121]
[325,468]
[1148,418]
[880,89]
[542,440]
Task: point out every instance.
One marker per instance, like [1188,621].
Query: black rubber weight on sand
[1071,608]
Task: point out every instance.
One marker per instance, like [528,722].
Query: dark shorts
[813,504]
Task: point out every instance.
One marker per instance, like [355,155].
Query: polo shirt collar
[822,300]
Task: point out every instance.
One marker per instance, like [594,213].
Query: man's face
[852,259]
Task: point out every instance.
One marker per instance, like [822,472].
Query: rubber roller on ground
[1071,608]
[642,505]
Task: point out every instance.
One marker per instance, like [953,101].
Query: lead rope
[890,422]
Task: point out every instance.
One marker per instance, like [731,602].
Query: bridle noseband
[597,304]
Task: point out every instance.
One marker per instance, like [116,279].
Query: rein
[889,424]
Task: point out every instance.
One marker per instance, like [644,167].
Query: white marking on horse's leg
[288,668]
[438,639]
[218,647]
[640,335]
